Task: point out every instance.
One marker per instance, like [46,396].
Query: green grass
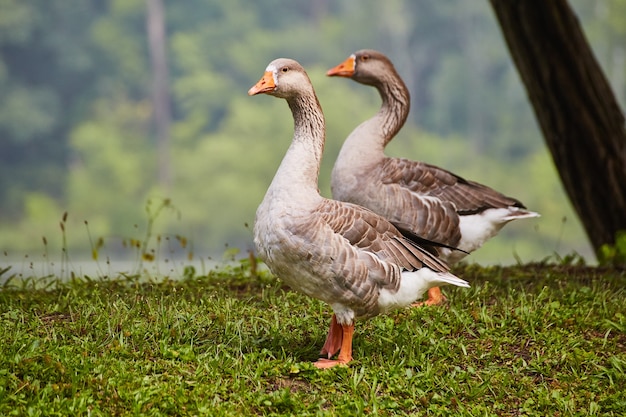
[533,340]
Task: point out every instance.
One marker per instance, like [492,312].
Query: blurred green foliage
[76,129]
[614,255]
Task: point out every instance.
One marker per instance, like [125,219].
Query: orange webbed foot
[435,298]
[329,363]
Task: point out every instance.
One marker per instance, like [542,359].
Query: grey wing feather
[368,231]
[468,196]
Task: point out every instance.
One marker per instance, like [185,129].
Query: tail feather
[520,214]
[444,278]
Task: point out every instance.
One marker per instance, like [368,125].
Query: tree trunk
[579,116]
[160,88]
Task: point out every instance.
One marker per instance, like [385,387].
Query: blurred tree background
[77,115]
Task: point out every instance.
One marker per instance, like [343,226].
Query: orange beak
[265,84]
[345,69]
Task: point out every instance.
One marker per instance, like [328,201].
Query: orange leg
[333,340]
[435,298]
[345,352]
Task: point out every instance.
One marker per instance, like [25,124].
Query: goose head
[283,78]
[366,66]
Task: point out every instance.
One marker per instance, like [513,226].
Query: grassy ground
[536,340]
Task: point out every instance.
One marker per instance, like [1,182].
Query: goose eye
[365,57]
[284,69]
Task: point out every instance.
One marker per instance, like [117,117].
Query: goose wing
[427,180]
[366,231]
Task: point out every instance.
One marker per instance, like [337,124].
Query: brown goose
[340,253]
[421,198]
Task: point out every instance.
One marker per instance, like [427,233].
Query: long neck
[365,146]
[395,107]
[298,172]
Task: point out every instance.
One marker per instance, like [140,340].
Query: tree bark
[579,116]
[160,88]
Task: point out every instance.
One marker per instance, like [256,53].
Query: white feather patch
[413,286]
